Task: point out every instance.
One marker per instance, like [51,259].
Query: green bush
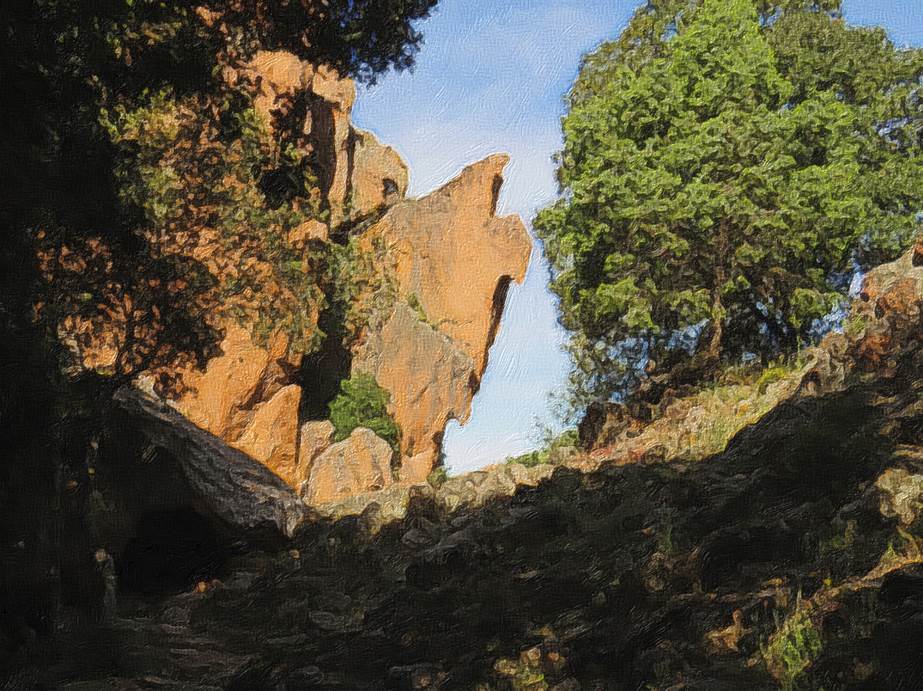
[556,450]
[363,403]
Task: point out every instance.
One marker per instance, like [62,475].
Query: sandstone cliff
[448,255]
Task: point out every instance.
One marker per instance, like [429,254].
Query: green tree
[727,164]
[363,403]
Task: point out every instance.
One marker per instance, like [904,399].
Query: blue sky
[491,77]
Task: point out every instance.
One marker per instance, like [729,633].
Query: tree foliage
[142,200]
[141,204]
[727,165]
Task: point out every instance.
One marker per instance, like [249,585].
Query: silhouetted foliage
[141,204]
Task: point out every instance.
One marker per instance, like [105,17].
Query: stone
[379,175]
[901,495]
[315,438]
[218,397]
[278,74]
[228,483]
[337,90]
[300,235]
[272,435]
[428,377]
[359,464]
[415,470]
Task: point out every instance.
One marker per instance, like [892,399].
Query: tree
[726,167]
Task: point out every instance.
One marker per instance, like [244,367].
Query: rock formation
[453,261]
[449,257]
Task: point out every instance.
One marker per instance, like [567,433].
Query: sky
[491,77]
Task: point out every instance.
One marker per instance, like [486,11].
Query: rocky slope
[790,558]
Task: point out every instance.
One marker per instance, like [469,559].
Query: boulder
[315,438]
[415,470]
[223,397]
[901,495]
[271,436]
[361,463]
[228,483]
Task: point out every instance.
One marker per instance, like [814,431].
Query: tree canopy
[125,145]
[727,167]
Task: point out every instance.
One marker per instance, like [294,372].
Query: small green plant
[771,375]
[793,648]
[363,403]
[438,477]
[855,325]
[529,460]
[414,303]
[556,450]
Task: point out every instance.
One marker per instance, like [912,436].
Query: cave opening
[171,551]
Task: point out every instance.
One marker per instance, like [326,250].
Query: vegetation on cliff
[141,201]
[727,167]
[363,403]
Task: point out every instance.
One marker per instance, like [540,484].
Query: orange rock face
[316,437]
[272,435]
[453,262]
[244,397]
[428,376]
[456,258]
[359,464]
[379,175]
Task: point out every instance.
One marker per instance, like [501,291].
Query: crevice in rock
[322,371]
[322,142]
[495,188]
[498,303]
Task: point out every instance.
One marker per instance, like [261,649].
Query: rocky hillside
[790,558]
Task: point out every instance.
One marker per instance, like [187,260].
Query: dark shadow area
[614,579]
[323,370]
[171,552]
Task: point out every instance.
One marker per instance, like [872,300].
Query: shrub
[363,403]
[438,477]
[556,450]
